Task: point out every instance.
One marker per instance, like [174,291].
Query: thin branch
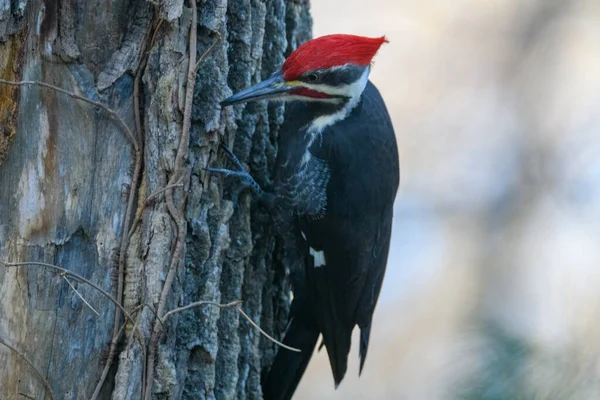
[198,304]
[127,225]
[135,328]
[129,341]
[175,213]
[238,306]
[107,109]
[133,188]
[80,296]
[265,334]
[37,372]
[121,267]
[140,307]
[68,273]
[179,183]
[144,348]
[139,214]
[217,40]
[184,141]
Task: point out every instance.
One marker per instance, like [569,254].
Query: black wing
[354,233]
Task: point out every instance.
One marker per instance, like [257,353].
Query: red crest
[331,50]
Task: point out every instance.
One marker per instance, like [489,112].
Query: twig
[142,344]
[207,52]
[127,225]
[137,150]
[175,213]
[107,109]
[138,216]
[265,334]
[37,372]
[129,341]
[182,149]
[79,294]
[139,307]
[237,304]
[136,108]
[121,267]
[198,304]
[179,183]
[68,273]
[121,271]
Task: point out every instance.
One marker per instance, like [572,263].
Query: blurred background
[493,282]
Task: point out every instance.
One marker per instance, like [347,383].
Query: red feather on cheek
[306,92]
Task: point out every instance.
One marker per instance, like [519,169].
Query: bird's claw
[232,157]
[243,176]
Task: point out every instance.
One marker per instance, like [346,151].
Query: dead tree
[110,227]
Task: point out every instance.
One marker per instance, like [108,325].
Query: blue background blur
[493,282]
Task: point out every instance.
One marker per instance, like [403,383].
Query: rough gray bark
[66,171]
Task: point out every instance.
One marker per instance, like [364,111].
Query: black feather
[289,366]
[360,159]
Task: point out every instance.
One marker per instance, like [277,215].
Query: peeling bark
[66,171]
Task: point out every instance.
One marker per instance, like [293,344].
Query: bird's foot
[242,176]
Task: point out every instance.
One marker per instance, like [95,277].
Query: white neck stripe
[353,91]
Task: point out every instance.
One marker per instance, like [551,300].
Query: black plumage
[342,195]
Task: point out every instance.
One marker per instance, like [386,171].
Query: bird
[335,177]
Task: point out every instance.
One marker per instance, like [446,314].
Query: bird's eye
[312,77]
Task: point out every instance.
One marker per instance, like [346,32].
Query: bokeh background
[493,283]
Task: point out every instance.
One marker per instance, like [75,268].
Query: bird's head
[332,68]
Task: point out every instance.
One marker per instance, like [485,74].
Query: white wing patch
[319,257]
[303,235]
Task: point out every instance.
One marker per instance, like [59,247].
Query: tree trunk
[107,181]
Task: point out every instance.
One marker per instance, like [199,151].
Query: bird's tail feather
[364,345]
[289,366]
[338,340]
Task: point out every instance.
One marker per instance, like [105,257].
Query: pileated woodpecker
[337,174]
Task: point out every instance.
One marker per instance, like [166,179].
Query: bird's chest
[306,189]
[303,185]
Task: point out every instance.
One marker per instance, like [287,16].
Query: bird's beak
[275,86]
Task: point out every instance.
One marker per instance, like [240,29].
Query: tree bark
[73,195]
